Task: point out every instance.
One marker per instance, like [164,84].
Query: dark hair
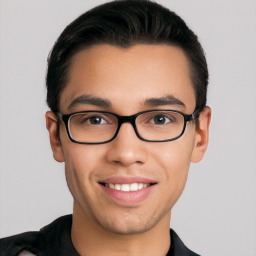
[125,23]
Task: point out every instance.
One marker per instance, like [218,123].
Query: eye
[160,119]
[163,118]
[96,120]
[91,119]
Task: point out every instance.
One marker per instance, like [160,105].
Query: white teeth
[117,186]
[134,186]
[127,187]
[111,185]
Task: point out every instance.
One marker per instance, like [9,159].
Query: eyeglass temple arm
[194,115]
[58,115]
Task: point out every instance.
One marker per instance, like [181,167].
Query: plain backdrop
[216,215]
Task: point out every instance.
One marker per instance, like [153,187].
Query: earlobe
[202,135]
[52,127]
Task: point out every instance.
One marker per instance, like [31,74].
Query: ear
[52,127]
[202,135]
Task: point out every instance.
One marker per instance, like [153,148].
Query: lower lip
[128,196]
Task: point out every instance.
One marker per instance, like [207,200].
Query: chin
[130,224]
[127,228]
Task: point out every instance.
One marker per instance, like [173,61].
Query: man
[126,85]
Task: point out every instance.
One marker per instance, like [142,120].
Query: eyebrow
[90,100]
[166,100]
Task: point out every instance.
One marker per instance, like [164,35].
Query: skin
[103,225]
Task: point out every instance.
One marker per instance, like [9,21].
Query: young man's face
[128,79]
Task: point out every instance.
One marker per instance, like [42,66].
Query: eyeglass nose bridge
[127,119]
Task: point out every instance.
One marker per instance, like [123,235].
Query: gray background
[216,214]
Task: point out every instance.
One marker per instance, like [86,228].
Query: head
[127,57]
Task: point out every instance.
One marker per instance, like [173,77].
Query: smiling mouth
[127,187]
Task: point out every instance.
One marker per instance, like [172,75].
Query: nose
[127,149]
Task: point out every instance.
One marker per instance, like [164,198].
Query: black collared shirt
[55,240]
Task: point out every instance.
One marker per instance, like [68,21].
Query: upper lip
[127,180]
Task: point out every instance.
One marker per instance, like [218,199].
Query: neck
[90,239]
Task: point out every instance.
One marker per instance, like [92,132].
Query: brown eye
[91,119]
[160,119]
[96,120]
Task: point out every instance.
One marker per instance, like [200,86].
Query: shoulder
[14,245]
[34,242]
[178,247]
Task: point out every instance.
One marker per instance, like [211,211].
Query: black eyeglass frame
[127,119]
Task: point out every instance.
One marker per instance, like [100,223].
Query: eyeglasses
[98,127]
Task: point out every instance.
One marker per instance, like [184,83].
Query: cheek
[175,156]
[80,163]
[174,159]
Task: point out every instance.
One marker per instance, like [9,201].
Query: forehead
[129,76]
